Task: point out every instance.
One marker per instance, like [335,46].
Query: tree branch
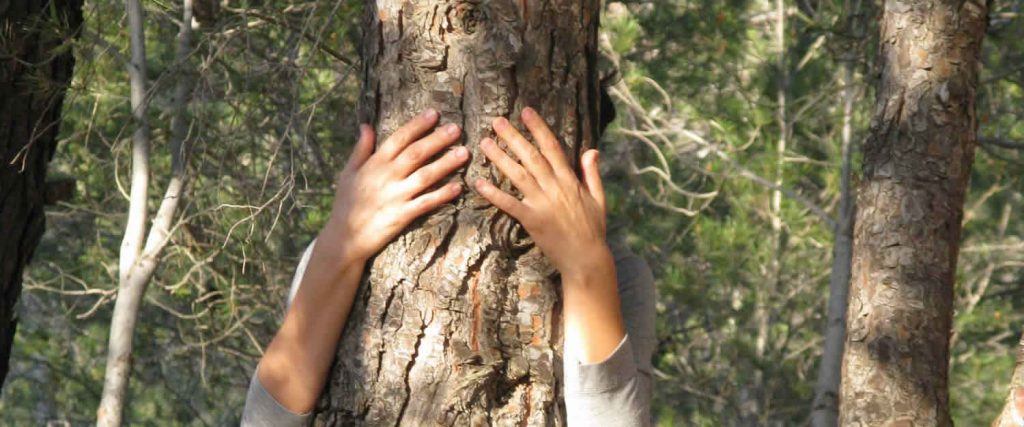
[999,142]
[315,40]
[138,264]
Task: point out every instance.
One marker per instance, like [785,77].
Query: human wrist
[595,263]
[339,246]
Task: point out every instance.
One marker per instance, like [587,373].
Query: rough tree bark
[917,160]
[35,71]
[457,322]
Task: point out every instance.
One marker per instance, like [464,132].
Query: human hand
[565,217]
[380,192]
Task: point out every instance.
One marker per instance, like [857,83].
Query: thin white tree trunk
[776,200]
[137,264]
[135,230]
[780,165]
[753,397]
[825,409]
[1013,409]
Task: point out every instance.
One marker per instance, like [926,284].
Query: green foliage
[272,117]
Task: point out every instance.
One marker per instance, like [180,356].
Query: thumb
[592,176]
[363,148]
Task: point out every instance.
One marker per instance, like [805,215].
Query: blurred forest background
[724,170]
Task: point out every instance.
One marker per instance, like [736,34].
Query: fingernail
[499,122]
[527,112]
[480,184]
[430,114]
[455,187]
[485,142]
[451,128]
[461,153]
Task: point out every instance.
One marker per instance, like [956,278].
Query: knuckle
[514,207]
[415,207]
[518,174]
[524,219]
[419,180]
[413,154]
[432,200]
[444,163]
[451,163]
[535,156]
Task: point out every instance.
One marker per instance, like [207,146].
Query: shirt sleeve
[610,393]
[262,410]
[618,390]
[614,392]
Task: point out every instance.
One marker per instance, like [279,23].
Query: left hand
[564,216]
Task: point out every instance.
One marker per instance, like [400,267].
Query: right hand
[380,192]
[565,215]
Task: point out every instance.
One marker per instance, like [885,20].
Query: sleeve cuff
[262,409]
[612,373]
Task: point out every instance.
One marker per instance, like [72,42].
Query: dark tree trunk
[32,87]
[458,322]
[917,160]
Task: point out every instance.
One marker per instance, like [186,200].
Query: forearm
[591,310]
[294,367]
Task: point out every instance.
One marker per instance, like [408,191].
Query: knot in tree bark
[464,16]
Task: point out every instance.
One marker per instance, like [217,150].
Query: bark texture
[458,320]
[37,35]
[917,160]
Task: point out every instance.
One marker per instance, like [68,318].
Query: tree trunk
[138,263]
[825,407]
[752,397]
[457,322]
[32,90]
[917,161]
[1013,409]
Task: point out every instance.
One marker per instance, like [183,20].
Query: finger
[501,199]
[408,133]
[592,176]
[546,140]
[417,153]
[532,159]
[430,174]
[512,169]
[363,148]
[432,200]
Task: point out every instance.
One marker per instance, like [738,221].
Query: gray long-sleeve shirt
[614,392]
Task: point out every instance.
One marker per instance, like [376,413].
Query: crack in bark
[442,247]
[383,317]
[408,370]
